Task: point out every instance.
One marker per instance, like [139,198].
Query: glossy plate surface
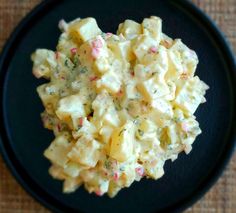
[24,139]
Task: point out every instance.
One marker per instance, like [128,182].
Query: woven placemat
[221,198]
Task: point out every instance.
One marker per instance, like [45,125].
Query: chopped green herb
[83,70]
[67,63]
[140,132]
[121,132]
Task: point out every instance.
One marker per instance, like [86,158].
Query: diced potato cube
[113,189]
[106,132]
[49,100]
[189,57]
[129,29]
[85,152]
[104,110]
[142,45]
[130,89]
[57,172]
[87,128]
[73,169]
[122,50]
[71,184]
[153,27]
[110,82]
[175,65]
[65,44]
[190,95]
[101,65]
[172,89]
[71,108]
[157,62]
[172,134]
[111,117]
[153,88]
[166,41]
[58,150]
[122,142]
[162,108]
[94,54]
[154,169]
[146,130]
[84,29]
[44,63]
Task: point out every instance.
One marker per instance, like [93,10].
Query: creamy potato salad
[119,105]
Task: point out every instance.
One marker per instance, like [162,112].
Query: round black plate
[24,138]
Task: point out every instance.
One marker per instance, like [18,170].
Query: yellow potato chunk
[105,82]
[146,130]
[85,152]
[153,27]
[70,108]
[142,45]
[84,29]
[122,142]
[190,95]
[129,29]
[58,150]
[44,63]
[153,88]
[122,50]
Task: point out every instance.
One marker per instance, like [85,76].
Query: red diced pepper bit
[93,78]
[57,55]
[89,117]
[153,50]
[98,193]
[97,43]
[95,52]
[108,35]
[81,121]
[115,176]
[120,93]
[132,73]
[73,51]
[58,127]
[140,171]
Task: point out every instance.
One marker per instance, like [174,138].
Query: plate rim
[214,175]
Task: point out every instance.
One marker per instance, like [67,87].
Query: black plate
[24,139]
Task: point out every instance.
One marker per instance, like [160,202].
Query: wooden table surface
[221,198]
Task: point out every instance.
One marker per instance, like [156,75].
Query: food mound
[119,105]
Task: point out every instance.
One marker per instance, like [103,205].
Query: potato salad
[120,105]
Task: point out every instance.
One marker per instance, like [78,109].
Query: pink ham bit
[140,171]
[108,35]
[63,78]
[56,55]
[116,176]
[73,51]
[95,52]
[153,50]
[98,193]
[97,43]
[120,93]
[93,78]
[81,121]
[184,127]
[58,127]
